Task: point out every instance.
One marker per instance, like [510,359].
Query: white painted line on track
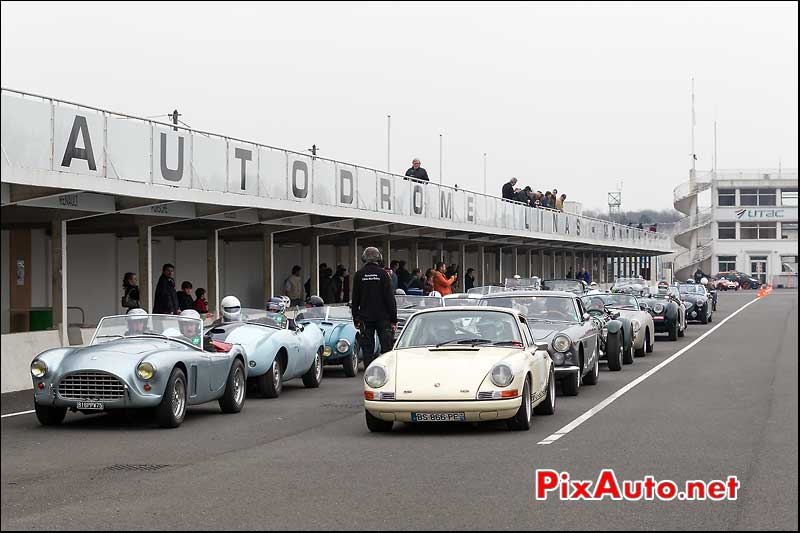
[603,404]
[17,414]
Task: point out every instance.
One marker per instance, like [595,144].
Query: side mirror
[643,307]
[586,316]
[541,346]
[615,315]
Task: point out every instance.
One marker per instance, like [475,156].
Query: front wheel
[50,416]
[376,425]
[682,332]
[674,331]
[271,383]
[351,363]
[648,344]
[571,385]
[614,352]
[313,377]
[548,405]
[522,420]
[704,317]
[172,409]
[627,357]
[233,399]
[592,377]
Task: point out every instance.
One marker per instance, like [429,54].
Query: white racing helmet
[188,323]
[435,293]
[137,320]
[231,309]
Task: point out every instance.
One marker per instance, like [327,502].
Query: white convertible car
[461,364]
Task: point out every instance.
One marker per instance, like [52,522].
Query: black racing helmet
[315,301]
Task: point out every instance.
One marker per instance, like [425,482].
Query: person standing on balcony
[508,189]
[416,171]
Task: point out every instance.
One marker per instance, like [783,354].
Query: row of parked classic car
[495,353]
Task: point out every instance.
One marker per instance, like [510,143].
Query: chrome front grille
[485,395]
[90,386]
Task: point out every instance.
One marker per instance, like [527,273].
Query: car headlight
[562,343]
[326,351]
[502,375]
[342,346]
[636,324]
[376,376]
[38,369]
[558,358]
[658,308]
[145,370]
[701,303]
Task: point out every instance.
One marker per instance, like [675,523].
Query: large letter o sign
[300,192]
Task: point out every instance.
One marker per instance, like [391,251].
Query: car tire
[614,352]
[648,344]
[351,364]
[674,331]
[313,377]
[570,386]
[627,355]
[172,409]
[703,318]
[548,405]
[50,416]
[270,384]
[376,425]
[232,400]
[711,316]
[522,420]
[592,377]
[682,332]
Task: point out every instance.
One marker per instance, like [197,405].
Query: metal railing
[693,256]
[323,177]
[692,222]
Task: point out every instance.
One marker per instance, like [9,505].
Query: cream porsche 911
[461,364]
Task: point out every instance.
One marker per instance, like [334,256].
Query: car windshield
[449,327]
[618,301]
[328,312]
[267,318]
[523,283]
[550,308]
[189,330]
[691,288]
[485,289]
[417,302]
[457,302]
[571,285]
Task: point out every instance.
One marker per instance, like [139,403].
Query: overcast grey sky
[570,95]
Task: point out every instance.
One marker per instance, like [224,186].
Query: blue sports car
[342,344]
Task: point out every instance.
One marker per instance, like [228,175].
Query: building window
[726,197]
[757,197]
[727,263]
[789,197]
[789,231]
[758,230]
[727,230]
[788,263]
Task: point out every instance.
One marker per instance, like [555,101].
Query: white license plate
[437,417]
[90,405]
[658,318]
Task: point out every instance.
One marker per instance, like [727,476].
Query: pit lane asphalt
[307,461]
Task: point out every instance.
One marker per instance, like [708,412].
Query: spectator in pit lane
[469,279]
[201,304]
[586,276]
[579,275]
[403,276]
[293,287]
[569,274]
[327,289]
[130,292]
[427,287]
[415,283]
[393,266]
[337,283]
[165,300]
[185,301]
[442,284]
[508,189]
[416,171]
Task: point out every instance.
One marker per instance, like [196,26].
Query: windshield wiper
[110,337]
[409,306]
[507,343]
[464,341]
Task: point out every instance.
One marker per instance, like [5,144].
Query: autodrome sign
[42,137]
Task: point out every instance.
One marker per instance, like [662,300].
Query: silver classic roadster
[140,361]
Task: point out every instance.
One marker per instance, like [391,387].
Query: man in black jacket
[373,305]
[185,300]
[417,172]
[508,189]
[166,299]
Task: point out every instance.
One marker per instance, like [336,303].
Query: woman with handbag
[130,295]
